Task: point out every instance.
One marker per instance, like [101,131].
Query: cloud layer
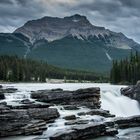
[117,15]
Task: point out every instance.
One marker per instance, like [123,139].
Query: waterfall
[121,106]
[111,99]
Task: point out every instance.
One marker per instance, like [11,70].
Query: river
[111,100]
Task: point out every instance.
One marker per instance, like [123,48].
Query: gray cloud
[117,15]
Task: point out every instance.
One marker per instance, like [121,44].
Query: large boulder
[132,92]
[89,97]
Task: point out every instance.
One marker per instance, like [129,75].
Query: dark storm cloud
[117,15]
[6,2]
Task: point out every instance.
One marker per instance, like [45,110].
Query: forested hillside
[16,69]
[126,70]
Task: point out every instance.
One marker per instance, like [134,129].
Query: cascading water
[111,100]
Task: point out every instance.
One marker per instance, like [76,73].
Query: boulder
[70,107]
[127,122]
[71,117]
[1,86]
[89,97]
[82,132]
[27,101]
[2,96]
[8,90]
[99,112]
[132,92]
[47,114]
[77,122]
[33,105]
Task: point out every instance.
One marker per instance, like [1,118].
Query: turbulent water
[111,100]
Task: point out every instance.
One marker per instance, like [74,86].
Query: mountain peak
[76,17]
[55,28]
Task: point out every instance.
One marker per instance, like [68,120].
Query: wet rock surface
[84,131]
[8,90]
[70,107]
[127,122]
[99,112]
[32,118]
[31,121]
[83,97]
[71,117]
[132,92]
[2,96]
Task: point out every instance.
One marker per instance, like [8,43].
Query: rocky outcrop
[31,121]
[83,97]
[132,92]
[8,90]
[47,114]
[70,107]
[99,112]
[71,117]
[127,122]
[85,131]
[91,130]
[77,122]
[32,105]
[2,96]
[27,101]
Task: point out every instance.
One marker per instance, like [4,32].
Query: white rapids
[111,99]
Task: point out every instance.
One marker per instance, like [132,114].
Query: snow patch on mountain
[53,28]
[108,56]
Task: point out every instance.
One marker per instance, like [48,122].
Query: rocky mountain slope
[70,42]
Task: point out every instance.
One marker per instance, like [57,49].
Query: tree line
[127,70]
[15,69]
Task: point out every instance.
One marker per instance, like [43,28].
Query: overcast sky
[116,15]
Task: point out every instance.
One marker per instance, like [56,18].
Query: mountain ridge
[54,28]
[69,42]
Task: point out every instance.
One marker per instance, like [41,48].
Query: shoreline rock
[132,92]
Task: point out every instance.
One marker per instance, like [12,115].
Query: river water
[111,100]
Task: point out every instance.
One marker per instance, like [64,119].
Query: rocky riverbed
[58,114]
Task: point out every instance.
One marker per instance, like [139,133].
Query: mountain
[70,42]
